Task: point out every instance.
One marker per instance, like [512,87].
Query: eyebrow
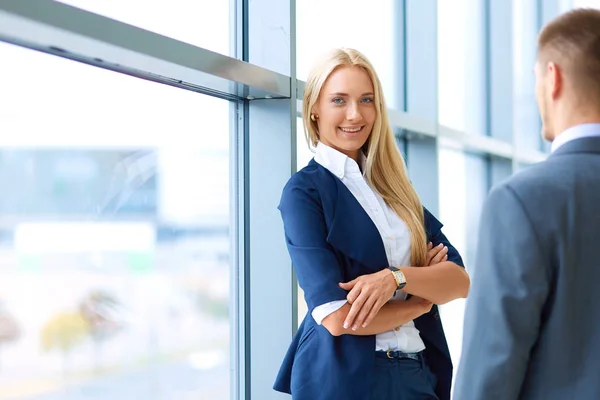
[346,94]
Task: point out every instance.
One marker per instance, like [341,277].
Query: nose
[353,112]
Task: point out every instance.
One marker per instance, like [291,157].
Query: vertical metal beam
[269,145]
[399,59]
[240,357]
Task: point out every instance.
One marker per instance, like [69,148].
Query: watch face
[401,278]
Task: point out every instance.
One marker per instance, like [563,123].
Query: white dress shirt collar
[575,132]
[338,163]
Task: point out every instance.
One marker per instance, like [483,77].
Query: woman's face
[346,111]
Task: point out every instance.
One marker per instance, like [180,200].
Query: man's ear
[555,78]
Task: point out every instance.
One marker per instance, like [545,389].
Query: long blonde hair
[385,170]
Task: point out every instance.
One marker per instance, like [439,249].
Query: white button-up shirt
[395,236]
[575,132]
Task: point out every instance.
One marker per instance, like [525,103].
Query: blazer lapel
[353,232]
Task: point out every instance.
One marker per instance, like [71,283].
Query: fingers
[354,310]
[374,310]
[353,295]
[436,254]
[430,253]
[439,257]
[348,285]
[364,312]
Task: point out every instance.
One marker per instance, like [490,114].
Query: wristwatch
[399,277]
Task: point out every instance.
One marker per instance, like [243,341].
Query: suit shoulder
[532,180]
[533,186]
[302,183]
[305,178]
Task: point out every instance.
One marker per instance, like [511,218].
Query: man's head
[567,71]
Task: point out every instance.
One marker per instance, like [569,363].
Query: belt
[398,355]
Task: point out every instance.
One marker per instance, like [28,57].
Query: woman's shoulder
[309,182]
[311,177]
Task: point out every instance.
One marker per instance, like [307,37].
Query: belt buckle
[388,354]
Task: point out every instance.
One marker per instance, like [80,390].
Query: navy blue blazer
[325,227]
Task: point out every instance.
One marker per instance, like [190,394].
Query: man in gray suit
[532,320]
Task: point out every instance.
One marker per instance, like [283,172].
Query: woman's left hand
[368,293]
[437,254]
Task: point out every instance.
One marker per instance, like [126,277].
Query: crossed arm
[314,261]
[367,308]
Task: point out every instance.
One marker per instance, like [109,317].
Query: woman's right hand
[437,254]
[367,294]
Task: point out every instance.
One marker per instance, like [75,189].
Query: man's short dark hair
[572,41]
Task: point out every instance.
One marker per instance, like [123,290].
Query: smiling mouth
[351,131]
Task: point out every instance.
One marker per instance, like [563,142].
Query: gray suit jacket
[532,319]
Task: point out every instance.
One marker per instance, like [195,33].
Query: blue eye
[367,100]
[337,100]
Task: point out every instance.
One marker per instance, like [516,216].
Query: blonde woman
[355,228]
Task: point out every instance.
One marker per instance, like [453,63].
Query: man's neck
[575,119]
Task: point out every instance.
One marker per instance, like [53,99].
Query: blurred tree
[101,312]
[63,332]
[9,329]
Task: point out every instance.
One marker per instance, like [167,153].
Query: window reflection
[202,23]
[114,235]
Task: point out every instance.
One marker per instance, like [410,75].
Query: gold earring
[313,117]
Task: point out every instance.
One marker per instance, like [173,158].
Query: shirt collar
[575,132]
[338,163]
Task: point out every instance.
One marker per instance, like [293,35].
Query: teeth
[351,130]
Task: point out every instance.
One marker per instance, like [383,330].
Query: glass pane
[525,31]
[203,23]
[324,25]
[586,3]
[452,55]
[114,235]
[461,65]
[463,186]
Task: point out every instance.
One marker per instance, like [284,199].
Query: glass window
[586,3]
[463,186]
[203,23]
[452,56]
[114,235]
[324,25]
[462,65]
[526,116]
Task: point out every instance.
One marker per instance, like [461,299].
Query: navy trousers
[402,378]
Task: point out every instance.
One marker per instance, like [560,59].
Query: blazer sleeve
[433,228]
[316,265]
[509,287]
